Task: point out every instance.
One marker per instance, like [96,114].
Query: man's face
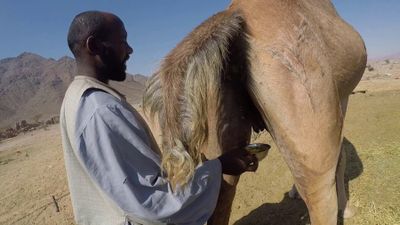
[116,53]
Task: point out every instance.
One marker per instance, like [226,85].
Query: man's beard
[115,69]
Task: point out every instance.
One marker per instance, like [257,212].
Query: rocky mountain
[32,87]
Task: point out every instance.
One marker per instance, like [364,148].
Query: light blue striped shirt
[114,149]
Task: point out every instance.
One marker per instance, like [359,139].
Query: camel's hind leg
[313,159]
[305,118]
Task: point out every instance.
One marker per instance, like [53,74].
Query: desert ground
[32,171]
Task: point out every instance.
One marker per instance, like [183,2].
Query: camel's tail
[186,85]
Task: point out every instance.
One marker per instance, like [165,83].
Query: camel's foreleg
[223,209]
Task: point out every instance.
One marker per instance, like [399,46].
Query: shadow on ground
[354,166]
[294,211]
[354,169]
[287,212]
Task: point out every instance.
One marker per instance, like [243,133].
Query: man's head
[98,42]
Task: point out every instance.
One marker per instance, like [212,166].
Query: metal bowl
[260,150]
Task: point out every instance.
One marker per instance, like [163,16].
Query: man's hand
[238,161]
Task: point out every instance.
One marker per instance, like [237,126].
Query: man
[111,158]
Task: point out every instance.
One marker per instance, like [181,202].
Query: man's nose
[130,50]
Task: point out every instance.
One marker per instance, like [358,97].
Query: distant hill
[32,87]
[388,68]
[391,56]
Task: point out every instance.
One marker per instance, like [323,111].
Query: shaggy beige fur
[187,83]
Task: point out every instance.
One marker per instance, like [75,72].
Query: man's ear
[94,46]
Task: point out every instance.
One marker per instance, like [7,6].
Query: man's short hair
[84,25]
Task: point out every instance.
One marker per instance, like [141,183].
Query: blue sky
[156,26]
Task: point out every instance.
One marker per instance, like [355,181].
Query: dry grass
[31,171]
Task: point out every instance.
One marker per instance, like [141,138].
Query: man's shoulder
[97,98]
[96,102]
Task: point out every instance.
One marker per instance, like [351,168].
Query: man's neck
[89,71]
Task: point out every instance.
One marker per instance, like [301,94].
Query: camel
[288,66]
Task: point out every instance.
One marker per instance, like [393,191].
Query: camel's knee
[315,186]
[325,195]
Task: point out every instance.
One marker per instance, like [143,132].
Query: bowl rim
[260,146]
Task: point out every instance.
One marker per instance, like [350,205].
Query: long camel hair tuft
[187,83]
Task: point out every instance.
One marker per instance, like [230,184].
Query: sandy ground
[32,171]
